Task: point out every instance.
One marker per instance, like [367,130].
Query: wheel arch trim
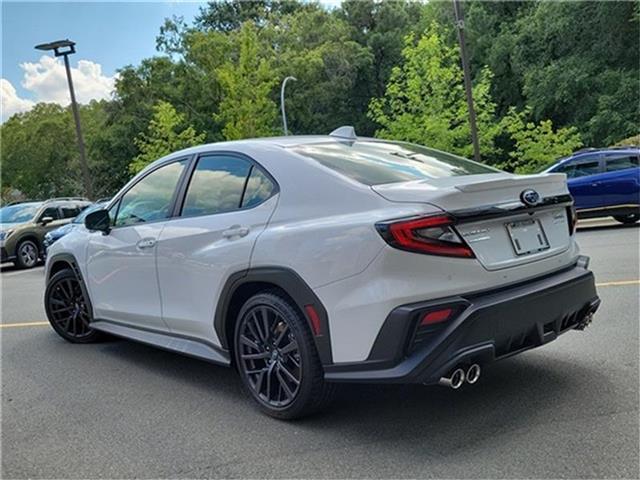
[71,261]
[288,281]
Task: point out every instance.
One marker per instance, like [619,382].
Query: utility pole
[284,113]
[459,14]
[64,48]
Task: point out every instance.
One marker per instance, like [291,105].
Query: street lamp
[459,14]
[64,48]
[284,114]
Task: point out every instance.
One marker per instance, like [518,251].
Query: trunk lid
[493,219]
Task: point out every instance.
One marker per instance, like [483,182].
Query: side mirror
[45,220]
[98,220]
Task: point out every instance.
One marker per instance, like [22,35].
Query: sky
[108,36]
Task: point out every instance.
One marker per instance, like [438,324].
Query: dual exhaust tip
[458,376]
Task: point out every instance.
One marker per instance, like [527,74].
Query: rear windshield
[376,163]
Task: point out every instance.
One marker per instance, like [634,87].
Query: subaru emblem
[530,197]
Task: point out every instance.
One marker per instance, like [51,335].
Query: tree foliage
[536,145]
[166,134]
[425,101]
[545,75]
[246,81]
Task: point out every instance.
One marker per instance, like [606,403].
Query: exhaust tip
[473,374]
[457,378]
[455,381]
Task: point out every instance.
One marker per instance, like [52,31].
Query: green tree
[536,145]
[425,101]
[39,154]
[166,134]
[246,82]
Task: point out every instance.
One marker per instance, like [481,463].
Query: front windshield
[91,208]
[23,212]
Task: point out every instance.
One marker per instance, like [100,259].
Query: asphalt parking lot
[120,409]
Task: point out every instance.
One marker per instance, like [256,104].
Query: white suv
[306,261]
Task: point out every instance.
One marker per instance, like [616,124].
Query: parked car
[306,261]
[78,222]
[24,225]
[604,182]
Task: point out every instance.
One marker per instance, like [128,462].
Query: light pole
[457,8]
[64,48]
[284,114]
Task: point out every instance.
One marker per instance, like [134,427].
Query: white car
[304,261]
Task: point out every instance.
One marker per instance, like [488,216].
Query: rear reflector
[436,316]
[433,235]
[314,319]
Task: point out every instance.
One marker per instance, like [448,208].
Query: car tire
[27,254]
[277,360]
[627,219]
[68,310]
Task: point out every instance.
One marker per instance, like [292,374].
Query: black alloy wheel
[68,310]
[276,357]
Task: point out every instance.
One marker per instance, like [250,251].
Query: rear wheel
[68,310]
[628,219]
[277,359]
[27,254]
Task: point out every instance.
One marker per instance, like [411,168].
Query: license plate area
[527,236]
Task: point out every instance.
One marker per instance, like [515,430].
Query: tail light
[433,235]
[572,217]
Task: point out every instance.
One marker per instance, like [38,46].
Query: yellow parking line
[618,284]
[28,324]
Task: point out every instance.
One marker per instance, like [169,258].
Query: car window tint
[50,212]
[259,188]
[584,169]
[150,199]
[621,163]
[69,211]
[378,162]
[216,185]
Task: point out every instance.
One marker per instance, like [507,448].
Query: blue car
[604,182]
[58,233]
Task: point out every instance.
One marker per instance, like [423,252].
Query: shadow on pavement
[514,394]
[10,267]
[612,226]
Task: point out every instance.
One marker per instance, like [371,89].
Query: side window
[69,211]
[568,168]
[150,198]
[216,185]
[585,168]
[50,212]
[259,188]
[621,163]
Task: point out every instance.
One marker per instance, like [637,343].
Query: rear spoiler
[526,181]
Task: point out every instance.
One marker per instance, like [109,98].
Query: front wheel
[277,359]
[628,219]
[68,309]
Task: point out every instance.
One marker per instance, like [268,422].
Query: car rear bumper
[489,326]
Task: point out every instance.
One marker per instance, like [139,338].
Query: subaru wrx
[305,261]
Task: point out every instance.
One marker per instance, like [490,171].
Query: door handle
[595,184]
[146,243]
[235,231]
